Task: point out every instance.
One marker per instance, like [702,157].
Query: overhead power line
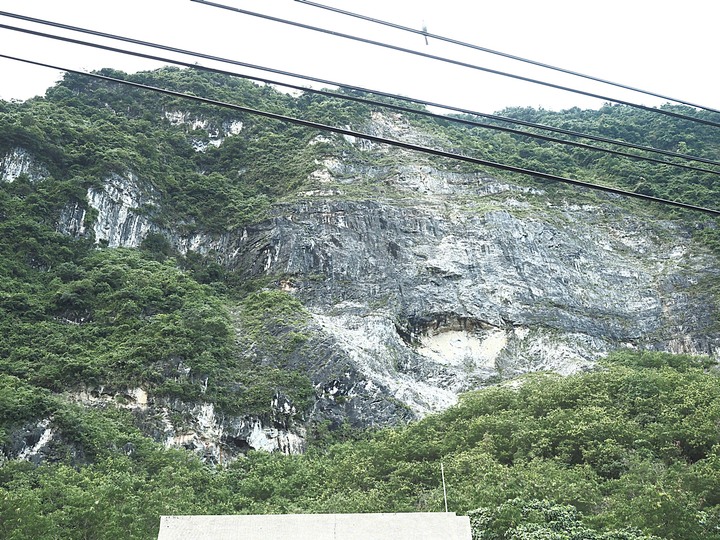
[453,41]
[591,137]
[350,87]
[374,138]
[454,62]
[391,106]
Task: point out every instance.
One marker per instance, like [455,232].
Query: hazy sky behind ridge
[666,47]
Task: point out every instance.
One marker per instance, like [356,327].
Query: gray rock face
[119,222]
[72,220]
[19,161]
[42,442]
[215,437]
[424,283]
[214,134]
[118,213]
[426,301]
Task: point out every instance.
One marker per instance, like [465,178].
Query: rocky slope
[420,282]
[470,283]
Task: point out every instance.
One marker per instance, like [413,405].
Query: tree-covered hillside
[627,451]
[84,128]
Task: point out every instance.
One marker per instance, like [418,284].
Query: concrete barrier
[404,526]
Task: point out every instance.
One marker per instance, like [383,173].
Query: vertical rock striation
[20,162]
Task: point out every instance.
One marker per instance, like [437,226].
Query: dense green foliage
[73,316]
[626,452]
[85,130]
[623,453]
[518,519]
[622,123]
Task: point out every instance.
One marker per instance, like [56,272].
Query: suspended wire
[389,106]
[342,96]
[591,137]
[374,138]
[446,39]
[455,62]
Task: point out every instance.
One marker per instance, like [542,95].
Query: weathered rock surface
[215,437]
[429,283]
[18,162]
[426,302]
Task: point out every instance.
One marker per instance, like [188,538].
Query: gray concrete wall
[406,526]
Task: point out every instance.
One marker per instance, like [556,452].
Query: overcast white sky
[658,45]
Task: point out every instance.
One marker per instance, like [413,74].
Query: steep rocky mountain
[343,281]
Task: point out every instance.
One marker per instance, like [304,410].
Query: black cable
[324,81]
[455,62]
[388,105]
[590,137]
[446,39]
[374,138]
[526,134]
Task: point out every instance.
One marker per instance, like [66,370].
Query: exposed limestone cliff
[118,205]
[431,299]
[424,283]
[19,161]
[215,437]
